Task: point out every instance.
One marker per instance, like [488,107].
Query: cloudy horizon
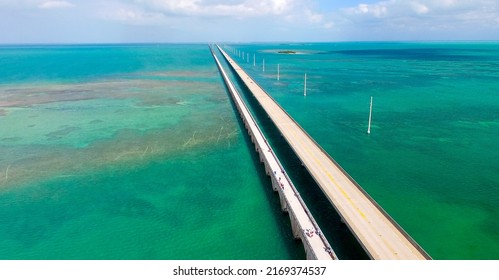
[166,21]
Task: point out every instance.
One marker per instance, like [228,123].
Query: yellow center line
[329,175]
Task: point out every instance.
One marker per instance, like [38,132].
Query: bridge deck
[381,237]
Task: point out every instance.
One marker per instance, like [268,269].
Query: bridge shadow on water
[337,233]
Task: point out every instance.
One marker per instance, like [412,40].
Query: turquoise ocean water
[135,151]
[432,158]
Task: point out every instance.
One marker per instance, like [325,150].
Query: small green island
[287,52]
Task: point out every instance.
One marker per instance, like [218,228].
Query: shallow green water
[142,158]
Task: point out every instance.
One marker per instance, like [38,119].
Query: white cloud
[55,5]
[229,8]
[159,12]
[42,4]
[328,25]
[419,8]
[432,13]
[261,19]
[313,17]
[127,13]
[376,10]
[133,16]
[396,8]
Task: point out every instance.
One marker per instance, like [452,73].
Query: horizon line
[239,42]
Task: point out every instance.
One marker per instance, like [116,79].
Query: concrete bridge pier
[275,185]
[284,204]
[295,228]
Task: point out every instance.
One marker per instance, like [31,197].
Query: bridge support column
[297,233]
[284,204]
[267,169]
[275,184]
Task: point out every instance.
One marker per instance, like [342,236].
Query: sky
[145,21]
